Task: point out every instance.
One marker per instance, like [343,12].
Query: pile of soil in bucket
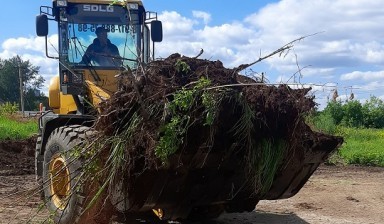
[17,156]
[190,115]
[277,111]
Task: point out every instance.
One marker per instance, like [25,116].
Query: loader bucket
[207,184]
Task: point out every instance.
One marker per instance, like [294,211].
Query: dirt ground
[332,195]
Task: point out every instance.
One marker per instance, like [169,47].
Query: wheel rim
[60,182]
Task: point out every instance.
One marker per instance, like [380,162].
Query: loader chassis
[83,83]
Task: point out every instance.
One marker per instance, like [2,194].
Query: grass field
[17,128]
[362,146]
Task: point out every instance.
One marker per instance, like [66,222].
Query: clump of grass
[263,161]
[243,129]
[335,159]
[263,156]
[272,152]
[182,66]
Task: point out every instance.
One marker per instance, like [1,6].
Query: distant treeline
[353,113]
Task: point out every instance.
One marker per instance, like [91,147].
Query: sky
[346,52]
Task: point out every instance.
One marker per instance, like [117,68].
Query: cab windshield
[101,36]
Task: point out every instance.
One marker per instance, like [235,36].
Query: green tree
[335,110]
[373,113]
[353,114]
[10,83]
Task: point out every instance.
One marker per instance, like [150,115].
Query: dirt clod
[349,198]
[305,205]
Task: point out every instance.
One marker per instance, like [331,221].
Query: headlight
[61,3]
[133,6]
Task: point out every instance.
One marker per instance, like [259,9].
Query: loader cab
[130,34]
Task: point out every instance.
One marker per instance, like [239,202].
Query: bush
[8,108]
[323,122]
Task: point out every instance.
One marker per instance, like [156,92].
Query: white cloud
[371,86]
[219,42]
[335,46]
[206,17]
[358,75]
[369,52]
[175,25]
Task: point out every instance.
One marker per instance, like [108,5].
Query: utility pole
[21,87]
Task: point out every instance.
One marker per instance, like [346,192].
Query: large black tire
[64,195]
[39,177]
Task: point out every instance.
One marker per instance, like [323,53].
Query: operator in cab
[102,52]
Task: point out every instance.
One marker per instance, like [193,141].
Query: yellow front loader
[97,41]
